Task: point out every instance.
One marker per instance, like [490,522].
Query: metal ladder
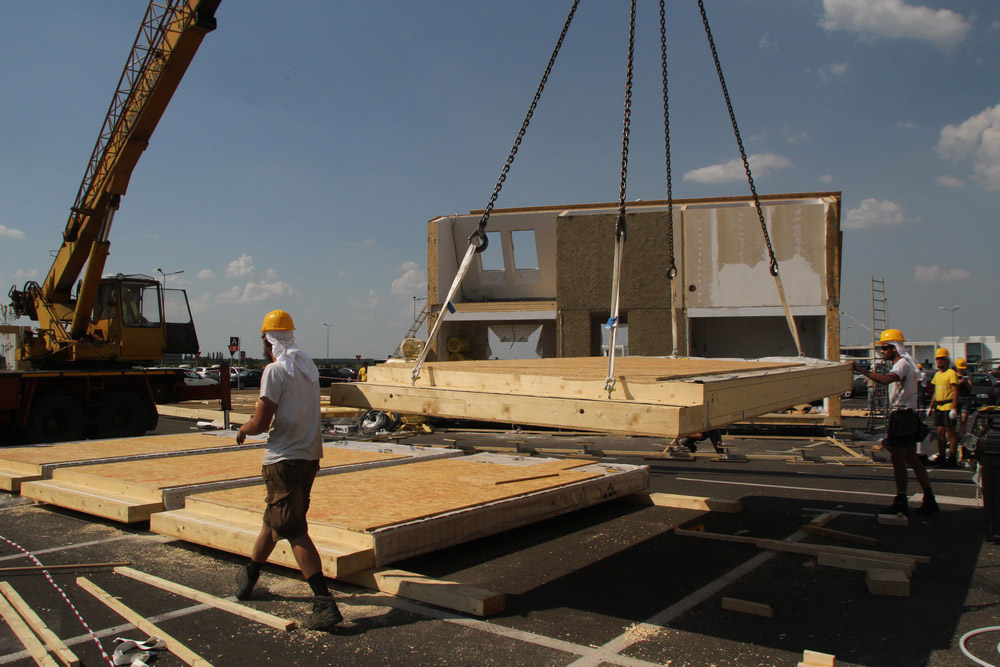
[878,396]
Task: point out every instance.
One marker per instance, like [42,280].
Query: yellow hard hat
[941,352]
[891,335]
[920,365]
[277,320]
[960,363]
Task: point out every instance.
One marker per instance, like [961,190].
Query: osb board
[371,499]
[31,459]
[146,478]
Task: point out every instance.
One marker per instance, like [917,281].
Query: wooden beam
[206,598]
[846,562]
[840,535]
[135,618]
[71,566]
[25,635]
[747,607]
[56,645]
[447,594]
[685,502]
[887,582]
[822,519]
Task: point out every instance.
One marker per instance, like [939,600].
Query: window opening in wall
[515,341]
[525,252]
[492,257]
[621,341]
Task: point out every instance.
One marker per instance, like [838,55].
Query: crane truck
[83,371]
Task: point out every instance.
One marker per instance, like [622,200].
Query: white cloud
[202,304]
[895,19]
[360,242]
[976,139]
[8,233]
[369,302]
[833,71]
[253,292]
[270,274]
[765,43]
[949,182]
[935,274]
[825,178]
[240,267]
[413,281]
[205,274]
[875,213]
[21,274]
[761,164]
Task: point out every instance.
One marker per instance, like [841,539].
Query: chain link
[620,229]
[672,269]
[480,232]
[739,140]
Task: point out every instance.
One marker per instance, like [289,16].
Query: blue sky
[309,143]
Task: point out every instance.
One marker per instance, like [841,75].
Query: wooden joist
[138,620]
[747,607]
[685,502]
[654,396]
[25,635]
[447,594]
[38,626]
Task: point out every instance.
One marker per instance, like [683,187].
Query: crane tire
[57,418]
[374,421]
[124,415]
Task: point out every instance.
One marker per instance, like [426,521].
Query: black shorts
[288,484]
[941,418]
[905,428]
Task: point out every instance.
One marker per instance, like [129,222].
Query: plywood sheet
[371,499]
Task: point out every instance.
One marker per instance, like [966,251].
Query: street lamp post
[415,299]
[164,274]
[327,341]
[954,343]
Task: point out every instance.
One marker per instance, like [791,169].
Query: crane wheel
[374,421]
[57,418]
[124,415]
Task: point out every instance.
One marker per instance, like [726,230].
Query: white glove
[953,414]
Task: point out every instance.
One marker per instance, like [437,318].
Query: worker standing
[288,406]
[905,428]
[944,407]
[964,405]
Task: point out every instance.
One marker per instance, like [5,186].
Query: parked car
[192,379]
[328,376]
[246,378]
[984,390]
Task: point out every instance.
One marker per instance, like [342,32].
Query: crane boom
[167,41]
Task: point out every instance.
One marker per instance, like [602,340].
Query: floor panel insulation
[132,490]
[388,514]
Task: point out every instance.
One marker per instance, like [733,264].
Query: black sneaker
[244,584]
[929,506]
[898,506]
[325,614]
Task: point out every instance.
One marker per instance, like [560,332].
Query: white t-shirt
[296,430]
[903,394]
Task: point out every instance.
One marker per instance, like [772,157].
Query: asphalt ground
[610,584]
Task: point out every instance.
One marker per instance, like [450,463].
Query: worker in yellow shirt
[944,407]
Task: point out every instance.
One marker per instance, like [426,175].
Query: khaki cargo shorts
[288,486]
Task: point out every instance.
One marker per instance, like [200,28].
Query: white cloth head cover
[289,356]
[901,351]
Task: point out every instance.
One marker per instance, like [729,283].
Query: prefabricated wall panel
[375,517]
[663,397]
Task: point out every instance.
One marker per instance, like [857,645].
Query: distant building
[978,351]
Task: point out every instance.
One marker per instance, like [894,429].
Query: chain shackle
[483,241]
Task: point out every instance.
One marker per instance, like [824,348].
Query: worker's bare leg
[306,556]
[898,455]
[941,441]
[263,545]
[952,442]
[918,468]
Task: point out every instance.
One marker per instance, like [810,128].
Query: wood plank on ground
[685,502]
[38,626]
[25,635]
[447,594]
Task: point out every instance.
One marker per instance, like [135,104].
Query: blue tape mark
[451,308]
[612,321]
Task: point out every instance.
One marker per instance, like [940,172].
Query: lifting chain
[672,268]
[480,232]
[739,139]
[620,231]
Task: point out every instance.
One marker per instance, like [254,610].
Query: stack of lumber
[374,517]
[654,396]
[23,464]
[132,490]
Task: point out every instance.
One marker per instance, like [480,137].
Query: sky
[309,143]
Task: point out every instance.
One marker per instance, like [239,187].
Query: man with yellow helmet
[905,427]
[964,397]
[944,407]
[288,409]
